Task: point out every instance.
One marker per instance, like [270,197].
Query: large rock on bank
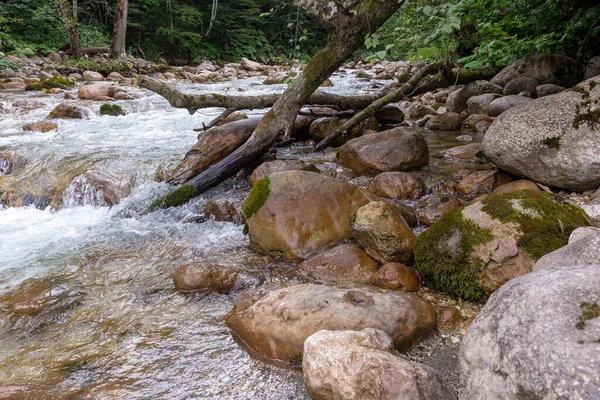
[348,365]
[276,326]
[546,68]
[398,149]
[584,251]
[540,140]
[471,252]
[537,338]
[295,213]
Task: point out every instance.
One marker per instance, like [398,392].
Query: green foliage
[6,63]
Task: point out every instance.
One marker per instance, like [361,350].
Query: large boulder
[584,251]
[346,263]
[398,149]
[94,91]
[92,76]
[536,338]
[525,84]
[295,213]
[472,251]
[382,231]
[546,68]
[349,365]
[539,140]
[276,326]
[65,110]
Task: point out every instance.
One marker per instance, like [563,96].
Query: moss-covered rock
[111,109]
[175,198]
[472,251]
[59,82]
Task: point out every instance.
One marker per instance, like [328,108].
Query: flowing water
[87,305]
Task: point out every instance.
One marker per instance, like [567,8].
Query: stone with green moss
[257,198]
[111,109]
[175,198]
[59,82]
[472,251]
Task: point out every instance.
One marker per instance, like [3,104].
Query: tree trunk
[117,44]
[346,33]
[69,14]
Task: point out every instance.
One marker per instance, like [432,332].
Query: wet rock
[122,95]
[346,263]
[398,149]
[538,141]
[114,76]
[295,213]
[323,127]
[475,184]
[468,152]
[270,167]
[546,68]
[347,365]
[396,276]
[91,76]
[249,65]
[477,123]
[457,100]
[234,116]
[397,185]
[326,83]
[503,104]
[94,91]
[28,104]
[10,161]
[111,109]
[44,126]
[65,110]
[536,337]
[524,84]
[336,171]
[224,210]
[362,74]
[448,121]
[449,319]
[275,78]
[418,110]
[276,326]
[75,77]
[433,208]
[96,188]
[382,231]
[585,251]
[390,114]
[203,276]
[481,104]
[472,251]
[522,184]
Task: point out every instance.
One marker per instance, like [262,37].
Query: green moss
[588,311]
[437,106]
[221,98]
[111,109]
[59,82]
[257,198]
[175,198]
[295,360]
[539,235]
[553,142]
[452,270]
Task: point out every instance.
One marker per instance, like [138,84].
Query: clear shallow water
[87,305]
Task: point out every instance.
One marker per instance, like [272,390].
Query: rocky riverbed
[406,227]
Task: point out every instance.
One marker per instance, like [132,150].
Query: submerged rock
[44,126]
[348,365]
[536,338]
[471,252]
[199,276]
[276,326]
[549,141]
[295,213]
[398,149]
[224,210]
[346,263]
[397,185]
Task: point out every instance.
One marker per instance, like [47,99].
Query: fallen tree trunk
[218,142]
[346,32]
